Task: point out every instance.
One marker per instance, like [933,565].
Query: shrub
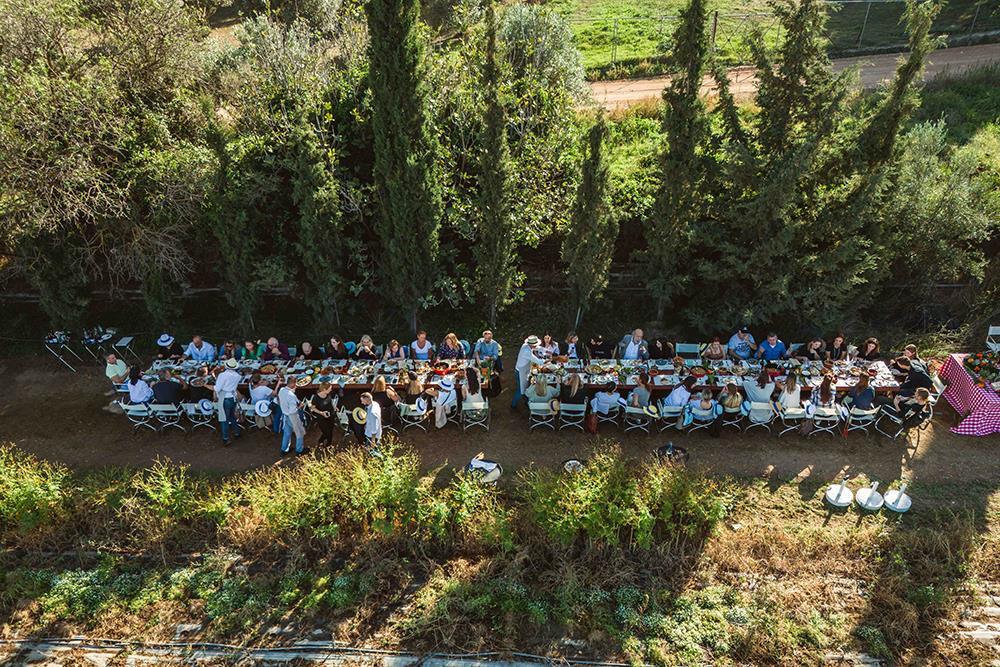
[32,491]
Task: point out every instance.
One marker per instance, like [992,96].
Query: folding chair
[571,415]
[691,352]
[197,417]
[861,420]
[123,345]
[791,419]
[167,415]
[476,413]
[761,414]
[413,415]
[825,420]
[58,345]
[609,417]
[636,419]
[891,426]
[541,414]
[732,417]
[701,418]
[669,415]
[139,414]
[993,338]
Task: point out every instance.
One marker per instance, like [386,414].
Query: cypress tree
[590,239]
[680,200]
[494,251]
[407,187]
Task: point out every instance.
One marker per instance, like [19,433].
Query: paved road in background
[874,70]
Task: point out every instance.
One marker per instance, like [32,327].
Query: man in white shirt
[199,349]
[225,393]
[291,422]
[373,420]
[526,356]
[634,347]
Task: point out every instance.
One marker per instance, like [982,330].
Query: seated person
[167,390]
[632,347]
[168,348]
[421,349]
[415,390]
[597,348]
[335,349]
[366,349]
[199,349]
[573,392]
[195,394]
[394,351]
[912,410]
[909,352]
[542,391]
[487,350]
[249,351]
[308,353]
[116,369]
[704,401]
[661,348]
[472,390]
[713,351]
[791,393]
[681,394]
[639,397]
[606,399]
[571,347]
[451,348]
[916,377]
[871,350]
[837,349]
[228,351]
[731,397]
[742,345]
[759,390]
[814,350]
[772,348]
[138,390]
[548,347]
[275,350]
[861,395]
[824,396]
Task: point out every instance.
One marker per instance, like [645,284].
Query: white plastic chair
[541,414]
[862,420]
[571,415]
[691,352]
[636,419]
[167,415]
[825,420]
[669,415]
[791,419]
[761,414]
[993,338]
[413,415]
[139,414]
[476,413]
[197,417]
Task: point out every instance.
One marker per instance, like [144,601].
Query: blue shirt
[490,349]
[206,353]
[741,348]
[773,352]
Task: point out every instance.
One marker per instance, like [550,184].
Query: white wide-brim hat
[232,363]
[262,408]
[532,340]
[446,385]
[166,340]
[206,406]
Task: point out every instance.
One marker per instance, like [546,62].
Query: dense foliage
[384,176]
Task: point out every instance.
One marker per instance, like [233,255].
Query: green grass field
[615,32]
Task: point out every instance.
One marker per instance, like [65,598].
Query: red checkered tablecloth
[980,406]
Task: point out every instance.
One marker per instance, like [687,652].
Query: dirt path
[874,70]
[57,415]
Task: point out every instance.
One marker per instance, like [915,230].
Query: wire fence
[854,26]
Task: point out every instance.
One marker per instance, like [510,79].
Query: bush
[32,492]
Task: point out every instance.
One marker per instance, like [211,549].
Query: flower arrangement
[983,366]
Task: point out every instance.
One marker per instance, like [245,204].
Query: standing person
[421,349]
[291,422]
[373,421]
[199,349]
[168,348]
[742,345]
[225,392]
[632,347]
[526,356]
[324,406]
